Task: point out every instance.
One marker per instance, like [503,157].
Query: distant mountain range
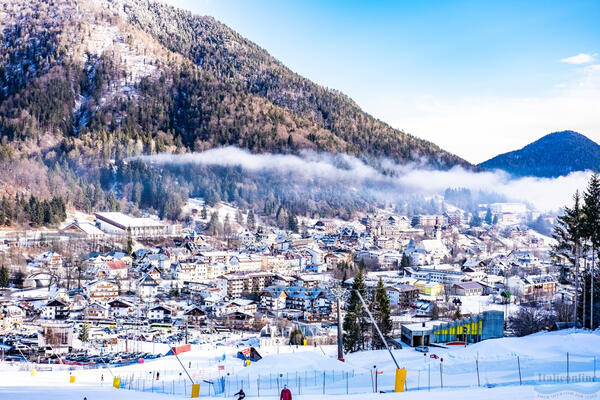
[556,154]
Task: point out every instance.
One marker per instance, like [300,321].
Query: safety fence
[432,373]
[227,385]
[511,371]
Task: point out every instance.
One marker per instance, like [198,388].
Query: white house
[120,308]
[147,288]
[160,313]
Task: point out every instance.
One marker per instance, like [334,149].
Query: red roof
[117,264]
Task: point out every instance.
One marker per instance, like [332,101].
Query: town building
[116,223]
[467,289]
[487,325]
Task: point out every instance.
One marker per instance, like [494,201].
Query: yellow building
[430,288]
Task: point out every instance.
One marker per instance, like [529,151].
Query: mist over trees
[469,200]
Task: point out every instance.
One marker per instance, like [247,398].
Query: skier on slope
[285,394]
[241,395]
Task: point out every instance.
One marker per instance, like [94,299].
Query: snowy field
[314,373]
[478,304]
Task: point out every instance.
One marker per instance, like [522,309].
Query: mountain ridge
[556,154]
[123,46]
[86,84]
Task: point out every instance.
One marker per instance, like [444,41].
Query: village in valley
[307,200]
[110,277]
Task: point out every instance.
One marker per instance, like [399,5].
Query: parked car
[14,358]
[422,349]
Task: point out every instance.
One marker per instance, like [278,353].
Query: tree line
[577,233]
[38,212]
[359,332]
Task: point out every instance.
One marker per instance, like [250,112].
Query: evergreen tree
[4,277]
[214,225]
[227,229]
[569,235]
[282,218]
[212,198]
[457,314]
[251,220]
[129,243]
[404,264]
[84,333]
[174,292]
[583,304]
[5,212]
[591,209]
[111,202]
[381,314]
[296,337]
[19,278]
[488,217]
[355,323]
[293,222]
[204,212]
[361,265]
[171,209]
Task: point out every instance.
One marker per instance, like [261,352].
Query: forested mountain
[85,84]
[556,154]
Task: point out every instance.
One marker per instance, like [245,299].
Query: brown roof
[469,285]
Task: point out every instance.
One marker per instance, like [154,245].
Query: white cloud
[581,58]
[544,193]
[480,127]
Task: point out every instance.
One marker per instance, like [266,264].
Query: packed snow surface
[487,370]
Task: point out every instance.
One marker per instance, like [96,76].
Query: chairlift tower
[340,295]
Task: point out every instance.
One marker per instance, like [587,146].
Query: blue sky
[477,78]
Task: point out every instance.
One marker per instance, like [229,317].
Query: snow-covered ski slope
[314,373]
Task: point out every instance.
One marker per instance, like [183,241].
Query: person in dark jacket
[285,394]
[241,395]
